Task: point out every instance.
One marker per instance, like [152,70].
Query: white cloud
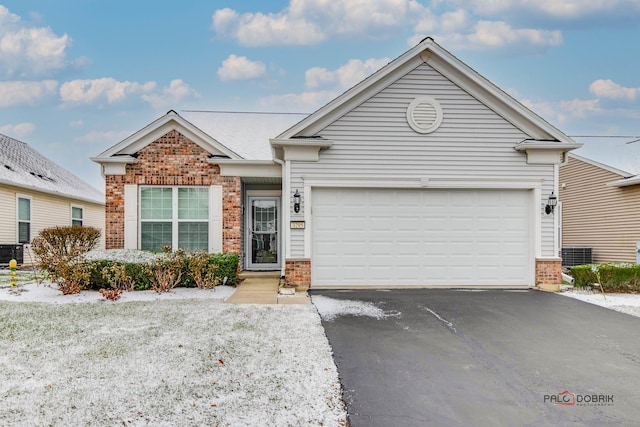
[240,68]
[106,136]
[19,130]
[76,124]
[565,110]
[354,71]
[299,102]
[91,91]
[176,92]
[567,9]
[306,22]
[609,89]
[494,35]
[24,92]
[29,51]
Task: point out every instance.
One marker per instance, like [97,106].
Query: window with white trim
[24,219]
[77,216]
[177,217]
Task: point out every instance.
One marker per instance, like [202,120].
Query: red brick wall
[548,272]
[173,160]
[298,273]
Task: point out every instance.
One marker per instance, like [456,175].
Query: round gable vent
[424,114]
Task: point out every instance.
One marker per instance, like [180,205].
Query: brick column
[549,274]
[298,273]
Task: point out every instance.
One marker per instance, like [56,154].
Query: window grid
[174,216]
[24,220]
[77,216]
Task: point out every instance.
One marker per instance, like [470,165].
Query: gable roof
[246,133]
[22,166]
[428,51]
[623,174]
[237,135]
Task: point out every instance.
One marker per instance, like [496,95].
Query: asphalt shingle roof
[22,166]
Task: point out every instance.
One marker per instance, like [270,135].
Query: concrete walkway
[262,288]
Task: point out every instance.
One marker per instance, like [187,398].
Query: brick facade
[173,160]
[298,273]
[548,272]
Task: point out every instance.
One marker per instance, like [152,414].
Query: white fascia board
[159,127]
[545,152]
[248,168]
[115,165]
[635,180]
[306,150]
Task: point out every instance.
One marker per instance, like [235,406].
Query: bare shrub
[166,272]
[61,252]
[111,294]
[203,271]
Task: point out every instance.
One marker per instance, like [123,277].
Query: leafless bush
[203,271]
[61,252]
[111,294]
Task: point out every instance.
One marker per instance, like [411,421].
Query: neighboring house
[423,174]
[600,211]
[36,193]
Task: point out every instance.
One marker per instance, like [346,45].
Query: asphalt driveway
[496,357]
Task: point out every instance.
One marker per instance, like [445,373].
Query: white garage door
[410,237]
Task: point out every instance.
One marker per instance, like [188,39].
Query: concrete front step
[262,288]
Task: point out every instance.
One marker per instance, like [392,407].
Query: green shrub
[174,269]
[227,267]
[133,272]
[612,277]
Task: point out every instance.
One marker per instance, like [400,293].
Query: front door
[264,246]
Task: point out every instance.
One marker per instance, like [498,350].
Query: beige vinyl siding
[374,140]
[46,211]
[599,216]
[8,215]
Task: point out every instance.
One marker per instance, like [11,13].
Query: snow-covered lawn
[625,303]
[181,358]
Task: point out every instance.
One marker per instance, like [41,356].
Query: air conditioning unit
[11,251]
[577,255]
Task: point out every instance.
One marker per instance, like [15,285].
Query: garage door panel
[393,237]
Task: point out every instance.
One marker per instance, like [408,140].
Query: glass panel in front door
[264,232]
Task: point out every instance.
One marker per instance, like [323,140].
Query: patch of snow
[149,362]
[437,316]
[624,303]
[123,255]
[330,308]
[48,292]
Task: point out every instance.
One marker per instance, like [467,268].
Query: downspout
[286,214]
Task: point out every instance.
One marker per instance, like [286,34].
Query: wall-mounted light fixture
[296,201]
[552,202]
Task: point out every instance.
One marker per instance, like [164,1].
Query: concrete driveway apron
[495,357]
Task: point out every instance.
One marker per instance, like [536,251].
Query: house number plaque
[297,224]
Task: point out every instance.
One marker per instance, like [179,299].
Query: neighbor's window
[174,216]
[24,220]
[77,215]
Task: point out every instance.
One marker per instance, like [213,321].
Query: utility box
[577,255]
[11,251]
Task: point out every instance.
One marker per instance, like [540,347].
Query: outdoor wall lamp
[552,202]
[296,201]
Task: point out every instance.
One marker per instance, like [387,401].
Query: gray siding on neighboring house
[596,215]
[374,140]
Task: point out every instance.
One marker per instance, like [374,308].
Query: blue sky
[77,76]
